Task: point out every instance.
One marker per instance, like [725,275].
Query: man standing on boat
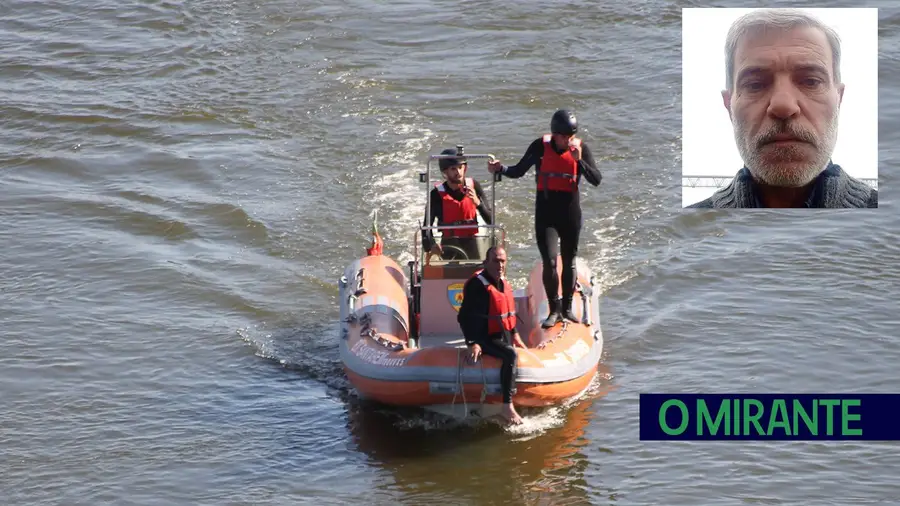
[487,318]
[560,159]
[455,202]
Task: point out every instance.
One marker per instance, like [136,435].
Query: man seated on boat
[454,202]
[487,318]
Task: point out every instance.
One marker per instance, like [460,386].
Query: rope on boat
[483,386]
[459,384]
[461,387]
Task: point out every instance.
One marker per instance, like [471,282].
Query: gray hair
[492,251]
[778,19]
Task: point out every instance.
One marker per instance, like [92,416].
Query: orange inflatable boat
[401,344]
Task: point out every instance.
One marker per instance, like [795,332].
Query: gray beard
[770,170]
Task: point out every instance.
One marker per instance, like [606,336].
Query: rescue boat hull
[395,356]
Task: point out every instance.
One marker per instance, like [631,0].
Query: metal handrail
[419,259]
[418,235]
[461,156]
[444,227]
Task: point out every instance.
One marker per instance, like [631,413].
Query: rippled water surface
[184,182]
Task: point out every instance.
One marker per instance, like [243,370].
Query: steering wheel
[452,252]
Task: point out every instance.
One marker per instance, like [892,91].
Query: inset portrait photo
[780,108]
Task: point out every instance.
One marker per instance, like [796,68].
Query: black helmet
[563,122]
[446,163]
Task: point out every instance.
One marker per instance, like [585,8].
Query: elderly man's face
[784,105]
[495,264]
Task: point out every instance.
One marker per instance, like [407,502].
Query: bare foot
[509,413]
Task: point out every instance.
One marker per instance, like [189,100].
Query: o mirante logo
[769,416]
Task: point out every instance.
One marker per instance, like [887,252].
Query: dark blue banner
[798,417]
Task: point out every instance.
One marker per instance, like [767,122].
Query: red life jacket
[457,212]
[558,172]
[502,313]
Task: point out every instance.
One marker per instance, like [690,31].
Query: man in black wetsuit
[560,159]
[455,202]
[487,318]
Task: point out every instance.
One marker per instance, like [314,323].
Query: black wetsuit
[473,321]
[557,217]
[468,244]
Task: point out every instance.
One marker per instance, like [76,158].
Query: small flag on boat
[377,244]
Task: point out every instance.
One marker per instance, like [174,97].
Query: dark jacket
[833,188]
[474,310]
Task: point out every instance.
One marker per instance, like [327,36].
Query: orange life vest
[558,172]
[502,313]
[457,212]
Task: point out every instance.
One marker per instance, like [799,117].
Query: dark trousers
[557,233]
[501,348]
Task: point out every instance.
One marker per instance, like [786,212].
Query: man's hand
[575,148]
[495,166]
[517,341]
[474,352]
[470,191]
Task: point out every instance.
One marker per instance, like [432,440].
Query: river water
[184,182]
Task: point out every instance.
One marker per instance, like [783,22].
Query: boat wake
[309,352]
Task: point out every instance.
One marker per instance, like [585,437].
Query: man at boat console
[455,201]
[487,318]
